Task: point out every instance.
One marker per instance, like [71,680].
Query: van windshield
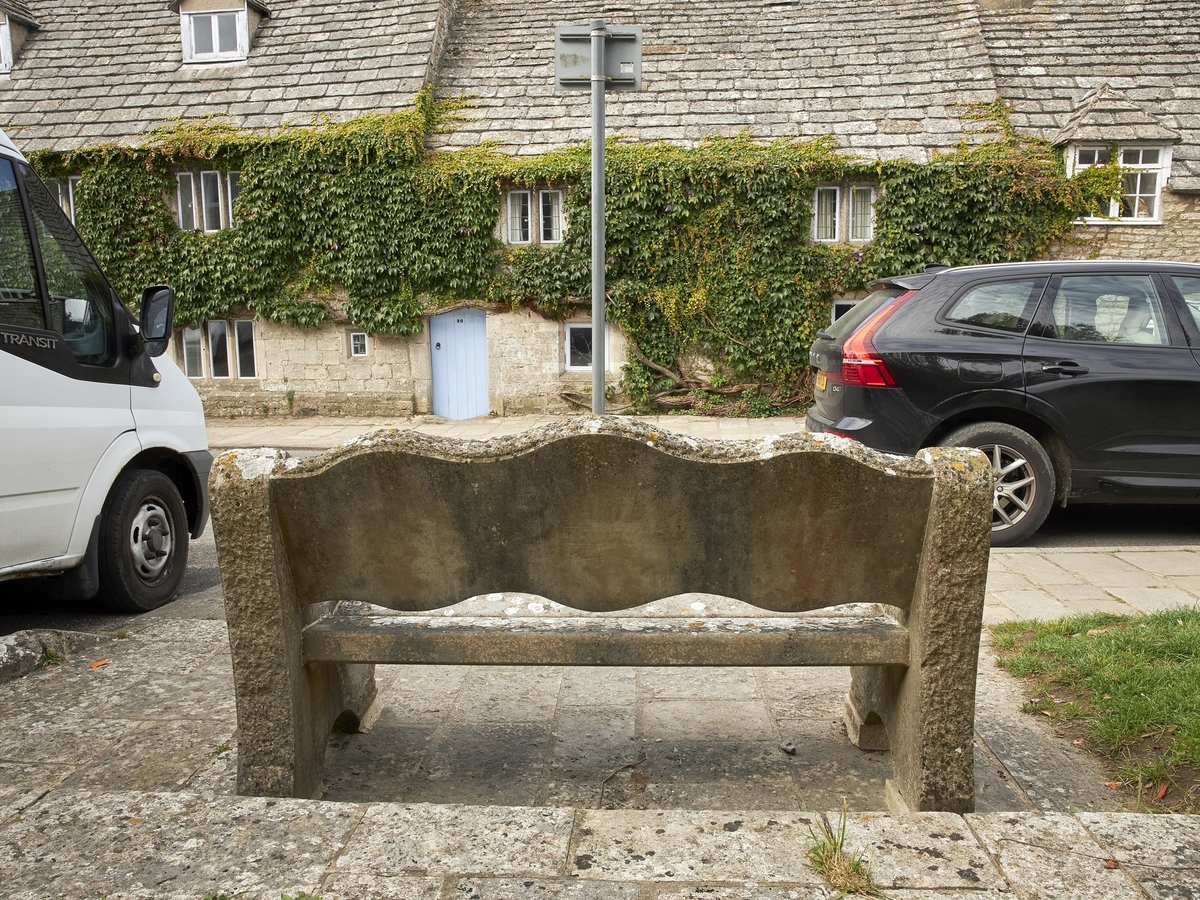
[20,304]
[80,299]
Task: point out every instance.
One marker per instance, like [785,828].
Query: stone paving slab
[125,845]
[927,851]
[1161,852]
[1052,857]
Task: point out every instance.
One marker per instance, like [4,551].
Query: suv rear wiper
[822,333]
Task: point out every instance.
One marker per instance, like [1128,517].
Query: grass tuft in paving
[845,871]
[1125,687]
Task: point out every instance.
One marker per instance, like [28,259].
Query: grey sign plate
[622,58]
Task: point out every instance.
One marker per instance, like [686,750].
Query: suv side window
[1113,309]
[80,298]
[1003,305]
[1190,289]
[20,304]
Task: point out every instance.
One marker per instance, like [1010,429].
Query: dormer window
[1144,171]
[15,26]
[218,31]
[6,54]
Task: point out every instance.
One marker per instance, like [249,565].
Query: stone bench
[334,563]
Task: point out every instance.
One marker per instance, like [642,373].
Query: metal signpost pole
[598,58]
[598,85]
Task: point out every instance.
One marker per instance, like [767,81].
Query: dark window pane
[210,190]
[19,301]
[245,344]
[218,349]
[579,351]
[187,202]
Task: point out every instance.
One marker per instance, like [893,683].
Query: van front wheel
[143,542]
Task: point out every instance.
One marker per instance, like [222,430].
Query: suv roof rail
[936,267]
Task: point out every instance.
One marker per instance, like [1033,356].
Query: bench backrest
[602,514]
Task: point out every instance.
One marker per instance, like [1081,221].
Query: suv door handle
[1065,367]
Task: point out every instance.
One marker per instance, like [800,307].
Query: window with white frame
[578,346]
[550,216]
[215,35]
[63,190]
[519,231]
[6,45]
[205,200]
[1144,171]
[534,217]
[862,213]
[358,343]
[826,213]
[844,212]
[230,350]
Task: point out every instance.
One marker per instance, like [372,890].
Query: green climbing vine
[712,270]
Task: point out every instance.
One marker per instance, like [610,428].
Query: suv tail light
[861,363]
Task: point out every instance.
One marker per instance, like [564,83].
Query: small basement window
[358,343]
[578,346]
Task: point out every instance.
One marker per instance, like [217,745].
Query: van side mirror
[158,315]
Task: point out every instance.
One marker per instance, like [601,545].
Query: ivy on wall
[712,272]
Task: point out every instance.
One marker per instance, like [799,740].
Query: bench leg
[927,709]
[868,695]
[285,708]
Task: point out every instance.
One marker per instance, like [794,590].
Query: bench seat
[607,641]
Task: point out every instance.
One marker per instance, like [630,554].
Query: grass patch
[845,872]
[1128,686]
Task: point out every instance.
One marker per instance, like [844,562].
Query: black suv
[1079,380]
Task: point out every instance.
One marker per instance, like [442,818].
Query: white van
[103,455]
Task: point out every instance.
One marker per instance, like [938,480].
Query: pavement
[117,763]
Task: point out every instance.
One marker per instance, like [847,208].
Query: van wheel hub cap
[150,541]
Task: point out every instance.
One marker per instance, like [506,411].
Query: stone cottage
[888,79]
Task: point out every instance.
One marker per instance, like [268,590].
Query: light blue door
[458,345]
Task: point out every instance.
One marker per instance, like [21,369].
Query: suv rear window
[1003,305]
[846,325]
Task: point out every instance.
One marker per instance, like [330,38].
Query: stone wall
[527,364]
[1178,238]
[308,372]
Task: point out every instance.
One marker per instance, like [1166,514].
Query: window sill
[1138,223]
[215,63]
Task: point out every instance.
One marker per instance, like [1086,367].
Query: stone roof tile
[1049,56]
[133,48]
[19,11]
[796,61]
